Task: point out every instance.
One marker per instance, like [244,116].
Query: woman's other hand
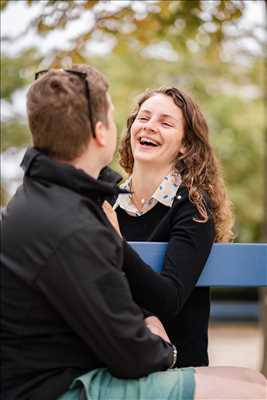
[156,327]
[111,216]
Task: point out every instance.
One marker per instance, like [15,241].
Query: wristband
[174,356]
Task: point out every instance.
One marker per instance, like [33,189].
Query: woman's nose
[151,125]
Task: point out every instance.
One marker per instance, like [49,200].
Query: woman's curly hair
[198,166]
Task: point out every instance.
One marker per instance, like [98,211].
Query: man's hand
[156,327]
[111,216]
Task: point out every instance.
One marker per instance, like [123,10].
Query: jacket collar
[38,165]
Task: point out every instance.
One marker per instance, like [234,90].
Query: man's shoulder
[34,231]
[48,215]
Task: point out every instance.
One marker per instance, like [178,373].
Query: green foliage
[238,136]
[177,22]
[14,133]
[3,4]
[10,77]
[17,71]
[3,196]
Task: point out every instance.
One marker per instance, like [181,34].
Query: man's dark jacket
[66,304]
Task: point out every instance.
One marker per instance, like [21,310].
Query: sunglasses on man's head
[84,77]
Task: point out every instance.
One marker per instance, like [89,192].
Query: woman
[177,196]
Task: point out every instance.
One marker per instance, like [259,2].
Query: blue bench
[235,264]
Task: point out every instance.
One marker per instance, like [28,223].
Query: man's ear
[101,134]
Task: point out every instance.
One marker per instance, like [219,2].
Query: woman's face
[157,132]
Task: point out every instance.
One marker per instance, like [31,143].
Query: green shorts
[99,384]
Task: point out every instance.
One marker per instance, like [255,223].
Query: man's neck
[87,162]
[86,166]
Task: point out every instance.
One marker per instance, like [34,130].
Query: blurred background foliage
[194,45]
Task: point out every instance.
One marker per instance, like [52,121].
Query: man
[66,305]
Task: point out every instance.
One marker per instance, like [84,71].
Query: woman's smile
[148,143]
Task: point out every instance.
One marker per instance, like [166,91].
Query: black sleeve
[84,283]
[190,243]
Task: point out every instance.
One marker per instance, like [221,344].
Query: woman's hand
[111,216]
[156,327]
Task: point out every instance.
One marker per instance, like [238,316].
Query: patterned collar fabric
[165,194]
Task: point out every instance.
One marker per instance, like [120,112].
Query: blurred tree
[139,23]
[16,73]
[3,196]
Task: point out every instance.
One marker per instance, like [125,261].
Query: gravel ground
[236,344]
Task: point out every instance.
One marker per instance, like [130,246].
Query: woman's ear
[182,149]
[101,134]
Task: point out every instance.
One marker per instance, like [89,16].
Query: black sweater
[171,295]
[66,306]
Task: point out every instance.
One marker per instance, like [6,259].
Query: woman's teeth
[148,142]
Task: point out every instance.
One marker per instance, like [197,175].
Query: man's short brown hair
[58,110]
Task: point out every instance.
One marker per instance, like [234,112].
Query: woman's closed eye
[166,124]
[163,123]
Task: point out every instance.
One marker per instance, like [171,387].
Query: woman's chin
[146,154]
[145,158]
